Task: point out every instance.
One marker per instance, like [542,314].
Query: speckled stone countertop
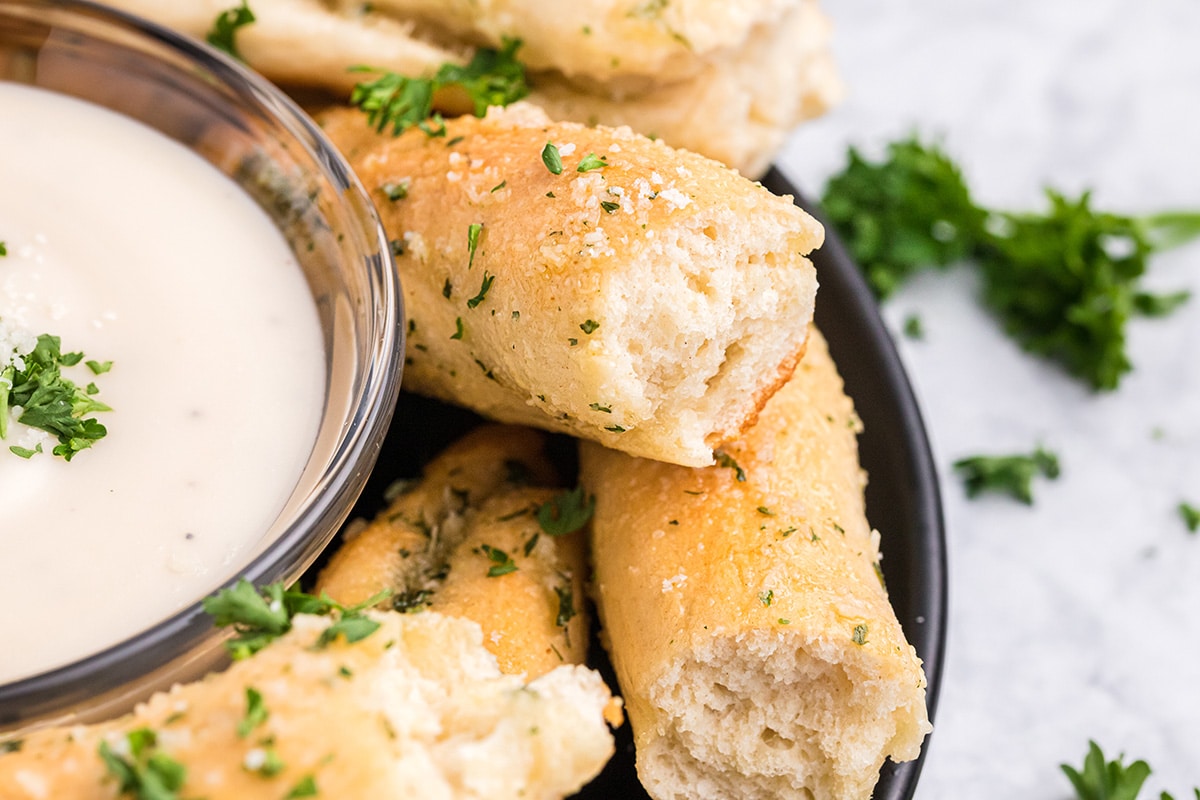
[1077,618]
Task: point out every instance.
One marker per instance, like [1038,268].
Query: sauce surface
[133,249]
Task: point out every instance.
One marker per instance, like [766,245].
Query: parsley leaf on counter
[1102,779]
[1011,475]
[224,29]
[1106,780]
[492,78]
[1190,515]
[1063,282]
[260,616]
[48,401]
[903,215]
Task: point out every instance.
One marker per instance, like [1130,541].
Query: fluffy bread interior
[820,709]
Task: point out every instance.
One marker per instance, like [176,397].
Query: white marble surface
[1079,617]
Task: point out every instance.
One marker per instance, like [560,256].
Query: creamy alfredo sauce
[134,250]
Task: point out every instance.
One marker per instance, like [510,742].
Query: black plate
[902,495]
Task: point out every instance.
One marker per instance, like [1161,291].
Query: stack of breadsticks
[657,306]
[728,80]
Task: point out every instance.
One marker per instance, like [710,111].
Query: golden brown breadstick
[742,606]
[415,709]
[613,288]
[465,541]
[727,80]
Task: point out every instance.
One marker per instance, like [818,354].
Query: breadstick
[643,297]
[465,541]
[415,709]
[749,627]
[759,68]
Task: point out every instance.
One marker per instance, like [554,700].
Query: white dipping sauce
[133,249]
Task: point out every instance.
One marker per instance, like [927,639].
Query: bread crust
[416,709]
[431,549]
[759,67]
[647,303]
[750,630]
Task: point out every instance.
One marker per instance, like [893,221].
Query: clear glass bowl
[253,133]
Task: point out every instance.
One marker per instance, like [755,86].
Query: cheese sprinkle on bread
[589,281]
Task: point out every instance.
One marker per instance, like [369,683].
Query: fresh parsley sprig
[1063,282]
[1101,779]
[1011,474]
[260,616]
[223,33]
[492,78]
[50,402]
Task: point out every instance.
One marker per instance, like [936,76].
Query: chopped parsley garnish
[447,289]
[615,428]
[305,787]
[492,78]
[412,600]
[265,762]
[566,605]
[589,326]
[913,327]
[552,160]
[600,408]
[395,191]
[566,513]
[499,186]
[260,616]
[592,161]
[256,713]
[223,33]
[488,278]
[473,231]
[396,246]
[1011,475]
[1063,282]
[48,401]
[502,563]
[726,460]
[1190,515]
[860,634]
[146,773]
[3,249]
[25,452]
[767,597]
[459,330]
[609,206]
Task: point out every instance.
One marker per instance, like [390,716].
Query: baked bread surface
[416,709]
[442,543]
[729,80]
[750,630]
[651,300]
